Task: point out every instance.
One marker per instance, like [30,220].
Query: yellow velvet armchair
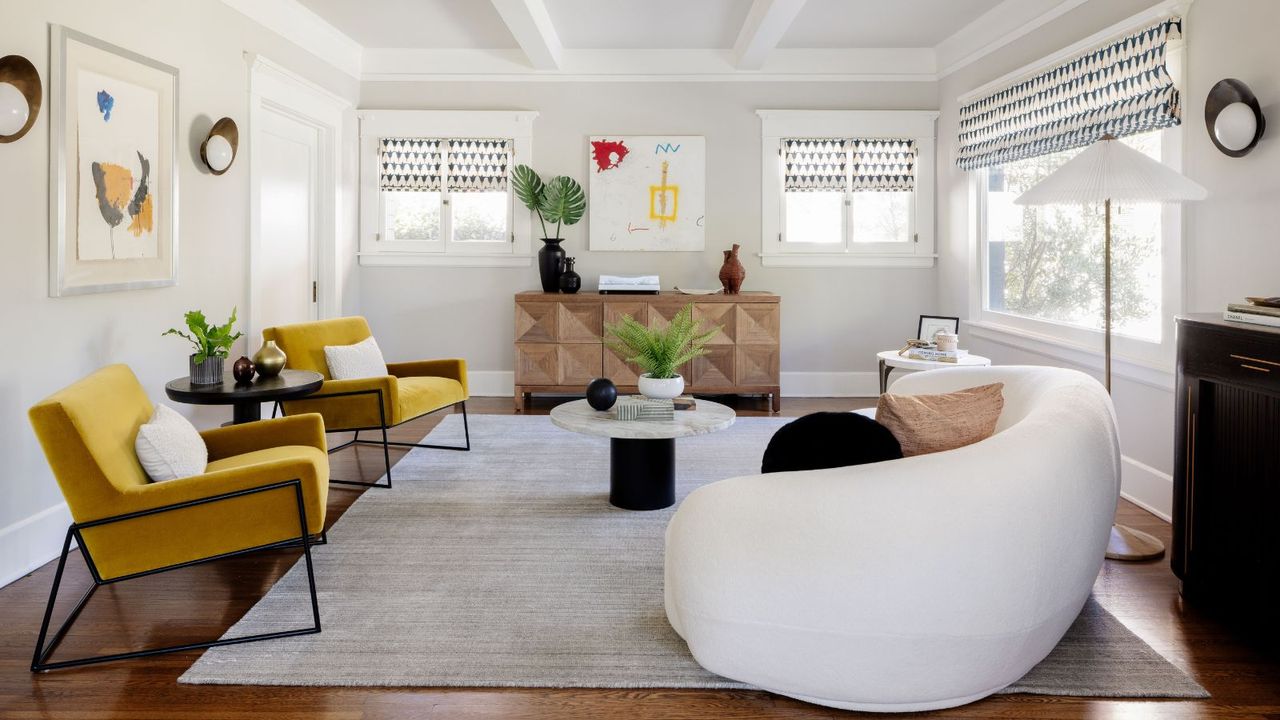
[265,487]
[409,390]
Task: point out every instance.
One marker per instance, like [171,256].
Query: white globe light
[1235,126]
[217,153]
[14,109]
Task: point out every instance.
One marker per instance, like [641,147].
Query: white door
[288,221]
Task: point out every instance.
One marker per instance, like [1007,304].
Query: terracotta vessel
[732,273]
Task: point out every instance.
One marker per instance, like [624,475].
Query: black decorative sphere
[602,394]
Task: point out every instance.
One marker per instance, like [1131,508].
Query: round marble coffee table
[642,453]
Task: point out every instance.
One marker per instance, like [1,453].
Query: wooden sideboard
[1226,483]
[559,341]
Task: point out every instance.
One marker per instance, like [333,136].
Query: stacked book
[1253,312]
[636,407]
[935,355]
[638,284]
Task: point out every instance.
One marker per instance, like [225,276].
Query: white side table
[890,359]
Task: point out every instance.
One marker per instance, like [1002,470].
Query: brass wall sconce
[218,150]
[1233,117]
[20,97]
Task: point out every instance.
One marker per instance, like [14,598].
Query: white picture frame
[113,176]
[647,192]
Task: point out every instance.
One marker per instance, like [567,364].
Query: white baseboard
[830,384]
[502,383]
[1147,487]
[32,542]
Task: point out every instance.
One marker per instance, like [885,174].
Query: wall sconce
[20,97]
[218,150]
[1233,117]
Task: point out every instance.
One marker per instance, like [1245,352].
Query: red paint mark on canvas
[608,154]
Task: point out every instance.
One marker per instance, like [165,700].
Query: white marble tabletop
[706,417]
[893,359]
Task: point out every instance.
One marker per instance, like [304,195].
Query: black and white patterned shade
[479,165]
[849,164]
[1123,88]
[409,164]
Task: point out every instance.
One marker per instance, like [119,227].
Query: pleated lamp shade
[1111,170]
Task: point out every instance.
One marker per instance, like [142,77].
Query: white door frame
[272,88]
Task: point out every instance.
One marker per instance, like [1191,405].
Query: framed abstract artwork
[113,176]
[647,192]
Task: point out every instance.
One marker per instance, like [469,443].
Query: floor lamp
[1110,171]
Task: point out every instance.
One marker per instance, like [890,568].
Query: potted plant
[560,201]
[660,352]
[212,342]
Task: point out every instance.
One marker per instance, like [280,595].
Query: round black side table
[246,400]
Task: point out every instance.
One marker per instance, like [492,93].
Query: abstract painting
[647,192]
[114,224]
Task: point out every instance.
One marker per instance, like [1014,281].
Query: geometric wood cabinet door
[559,341]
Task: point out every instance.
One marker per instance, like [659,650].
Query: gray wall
[1230,249]
[51,342]
[834,320]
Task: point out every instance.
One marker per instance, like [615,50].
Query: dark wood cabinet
[1226,504]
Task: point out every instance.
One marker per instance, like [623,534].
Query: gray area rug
[507,567]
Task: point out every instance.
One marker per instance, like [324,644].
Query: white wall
[52,342]
[1230,248]
[833,320]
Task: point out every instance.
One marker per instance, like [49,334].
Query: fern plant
[560,200]
[209,340]
[660,353]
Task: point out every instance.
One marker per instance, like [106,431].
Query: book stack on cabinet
[559,342]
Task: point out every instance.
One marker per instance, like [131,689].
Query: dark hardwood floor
[201,603]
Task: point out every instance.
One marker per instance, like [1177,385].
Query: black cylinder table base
[642,474]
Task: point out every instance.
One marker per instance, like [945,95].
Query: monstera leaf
[563,201]
[528,186]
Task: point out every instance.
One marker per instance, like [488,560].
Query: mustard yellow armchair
[409,391]
[265,487]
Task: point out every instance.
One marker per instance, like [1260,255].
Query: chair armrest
[349,404]
[455,368]
[225,442]
[150,496]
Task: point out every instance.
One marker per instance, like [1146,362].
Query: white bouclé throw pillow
[352,362]
[169,446]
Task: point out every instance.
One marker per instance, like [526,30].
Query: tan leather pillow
[933,423]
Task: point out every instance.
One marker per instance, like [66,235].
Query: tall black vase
[551,264]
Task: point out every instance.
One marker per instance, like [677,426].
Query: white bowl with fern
[660,352]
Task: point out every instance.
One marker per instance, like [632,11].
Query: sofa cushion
[421,395]
[827,440]
[934,423]
[169,446]
[353,362]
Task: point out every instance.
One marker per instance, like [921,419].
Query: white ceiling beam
[530,24]
[766,23]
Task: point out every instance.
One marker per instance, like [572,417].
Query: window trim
[1128,351]
[516,125]
[918,125]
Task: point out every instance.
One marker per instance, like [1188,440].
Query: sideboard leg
[777,400]
[519,399]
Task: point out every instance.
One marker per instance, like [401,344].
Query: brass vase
[269,360]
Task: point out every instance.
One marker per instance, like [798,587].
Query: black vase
[551,264]
[602,394]
[570,281]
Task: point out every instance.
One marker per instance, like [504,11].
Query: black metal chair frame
[40,660]
[382,426]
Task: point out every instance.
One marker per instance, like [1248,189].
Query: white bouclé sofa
[913,584]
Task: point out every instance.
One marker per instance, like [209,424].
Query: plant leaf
[563,201]
[527,186]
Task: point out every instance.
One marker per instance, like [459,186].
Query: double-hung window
[860,193]
[1041,268]
[442,197]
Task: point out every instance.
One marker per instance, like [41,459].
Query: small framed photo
[931,325]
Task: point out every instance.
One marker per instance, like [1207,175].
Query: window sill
[412,259]
[1082,357]
[818,260]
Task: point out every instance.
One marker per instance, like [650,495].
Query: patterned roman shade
[1121,89]
[479,165]
[815,164]
[840,164]
[883,164]
[409,164]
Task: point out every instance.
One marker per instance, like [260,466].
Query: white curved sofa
[914,584]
